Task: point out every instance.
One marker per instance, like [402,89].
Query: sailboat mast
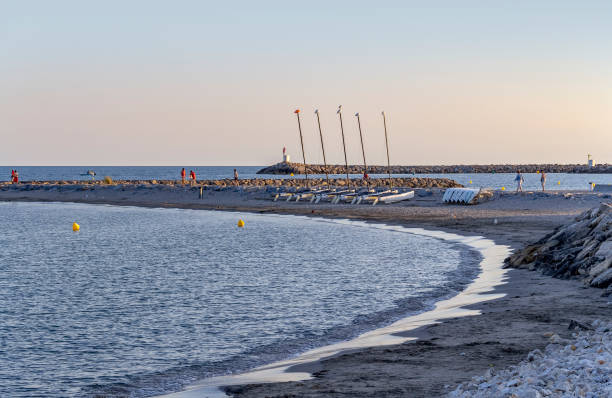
[297,113]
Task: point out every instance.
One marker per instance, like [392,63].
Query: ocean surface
[144,301]
[556,181]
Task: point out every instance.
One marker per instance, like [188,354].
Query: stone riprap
[581,249]
[255,182]
[297,168]
[581,367]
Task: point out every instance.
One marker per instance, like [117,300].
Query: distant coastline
[297,168]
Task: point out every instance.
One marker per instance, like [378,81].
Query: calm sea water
[143,301]
[556,181]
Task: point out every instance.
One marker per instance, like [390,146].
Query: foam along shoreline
[491,275]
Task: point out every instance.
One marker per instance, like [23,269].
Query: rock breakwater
[581,249]
[297,168]
[254,182]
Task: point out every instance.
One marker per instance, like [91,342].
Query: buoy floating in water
[75,227]
[240,223]
[503,188]
[558,182]
[470,181]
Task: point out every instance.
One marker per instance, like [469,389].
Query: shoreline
[302,366]
[502,335]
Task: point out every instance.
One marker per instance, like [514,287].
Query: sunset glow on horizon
[209,83]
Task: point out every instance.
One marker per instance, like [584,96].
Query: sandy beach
[445,354]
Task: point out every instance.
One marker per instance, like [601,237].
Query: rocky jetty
[254,182]
[580,367]
[581,249]
[297,168]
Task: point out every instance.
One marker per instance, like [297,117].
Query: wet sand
[447,353]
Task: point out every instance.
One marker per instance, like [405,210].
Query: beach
[445,354]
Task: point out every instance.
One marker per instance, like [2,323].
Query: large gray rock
[580,249]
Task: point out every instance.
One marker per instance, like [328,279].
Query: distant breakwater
[413,182]
[297,168]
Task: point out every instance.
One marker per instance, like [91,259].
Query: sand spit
[446,354]
[298,168]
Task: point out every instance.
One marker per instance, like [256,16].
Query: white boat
[398,197]
[460,195]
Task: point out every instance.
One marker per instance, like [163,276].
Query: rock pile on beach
[581,249]
[254,182]
[578,368]
[297,168]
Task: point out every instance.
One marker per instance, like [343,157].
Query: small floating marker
[240,224]
[558,182]
[470,181]
[75,227]
[503,188]
[291,174]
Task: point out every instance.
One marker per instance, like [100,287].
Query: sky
[216,83]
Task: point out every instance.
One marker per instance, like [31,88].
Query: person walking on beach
[519,181]
[543,181]
[183,175]
[236,177]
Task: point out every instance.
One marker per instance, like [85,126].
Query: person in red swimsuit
[192,177]
[183,175]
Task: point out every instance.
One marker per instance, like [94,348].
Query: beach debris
[240,223]
[577,368]
[108,180]
[581,249]
[75,227]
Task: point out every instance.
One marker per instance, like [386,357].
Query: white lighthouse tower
[286,157]
[590,162]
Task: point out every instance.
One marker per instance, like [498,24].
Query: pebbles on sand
[578,368]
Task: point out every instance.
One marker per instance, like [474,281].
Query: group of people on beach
[14,176]
[520,180]
[193,180]
[192,176]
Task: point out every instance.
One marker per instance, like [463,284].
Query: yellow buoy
[240,223]
[558,182]
[470,181]
[538,172]
[75,227]
[503,188]
[291,174]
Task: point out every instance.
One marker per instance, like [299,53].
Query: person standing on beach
[183,175]
[236,176]
[543,181]
[192,177]
[14,176]
[519,181]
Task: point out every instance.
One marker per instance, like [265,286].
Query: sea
[141,302]
[555,181]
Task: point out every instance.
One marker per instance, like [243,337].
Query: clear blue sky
[195,82]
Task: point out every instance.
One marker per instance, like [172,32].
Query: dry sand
[445,354]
